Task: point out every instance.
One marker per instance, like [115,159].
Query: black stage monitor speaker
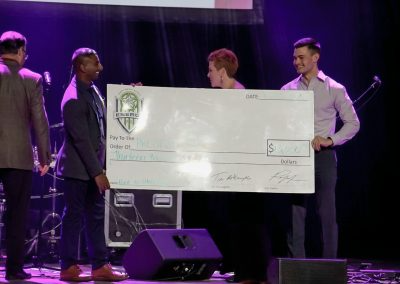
[308,271]
[168,254]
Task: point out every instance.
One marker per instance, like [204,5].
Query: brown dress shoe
[74,274]
[105,273]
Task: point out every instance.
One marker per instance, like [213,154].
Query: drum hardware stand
[52,222]
[49,228]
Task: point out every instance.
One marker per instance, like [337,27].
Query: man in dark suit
[21,106]
[81,163]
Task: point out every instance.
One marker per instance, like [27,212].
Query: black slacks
[17,188]
[325,184]
[82,201]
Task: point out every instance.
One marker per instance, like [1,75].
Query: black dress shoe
[20,275]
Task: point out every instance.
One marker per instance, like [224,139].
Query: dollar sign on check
[271,148]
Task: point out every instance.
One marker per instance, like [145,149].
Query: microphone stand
[375,85]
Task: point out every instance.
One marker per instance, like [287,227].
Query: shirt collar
[320,76]
[9,62]
[81,85]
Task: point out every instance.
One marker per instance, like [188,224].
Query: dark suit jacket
[22,106]
[82,155]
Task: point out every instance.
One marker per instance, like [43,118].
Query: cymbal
[56,125]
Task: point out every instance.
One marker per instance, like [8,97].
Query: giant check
[210,139]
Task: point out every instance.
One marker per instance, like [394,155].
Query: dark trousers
[250,236]
[17,188]
[236,222]
[325,184]
[82,202]
[219,224]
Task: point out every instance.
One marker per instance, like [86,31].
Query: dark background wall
[169,47]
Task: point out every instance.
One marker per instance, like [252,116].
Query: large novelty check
[210,139]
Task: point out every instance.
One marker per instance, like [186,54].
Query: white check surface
[210,139]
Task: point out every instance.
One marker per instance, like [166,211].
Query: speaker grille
[312,271]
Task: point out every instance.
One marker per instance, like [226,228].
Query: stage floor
[46,275]
[358,271]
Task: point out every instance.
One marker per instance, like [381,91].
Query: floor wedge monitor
[172,254]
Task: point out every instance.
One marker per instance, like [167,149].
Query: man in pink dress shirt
[330,100]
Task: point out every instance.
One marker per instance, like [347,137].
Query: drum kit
[51,223]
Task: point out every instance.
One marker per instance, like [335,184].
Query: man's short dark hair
[311,43]
[79,54]
[11,41]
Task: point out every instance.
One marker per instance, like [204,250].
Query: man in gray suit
[21,106]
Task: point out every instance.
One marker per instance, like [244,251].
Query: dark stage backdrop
[169,47]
